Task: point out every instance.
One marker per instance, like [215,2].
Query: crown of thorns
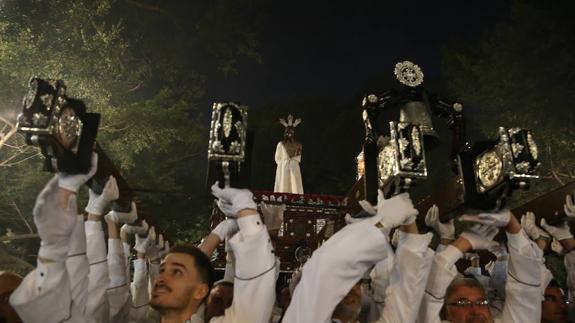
[290,122]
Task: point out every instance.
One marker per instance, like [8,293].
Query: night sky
[324,48]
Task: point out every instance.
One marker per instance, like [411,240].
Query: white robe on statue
[288,174]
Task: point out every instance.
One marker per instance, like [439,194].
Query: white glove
[143,243]
[529,225]
[445,230]
[557,247]
[166,249]
[74,182]
[500,219]
[559,232]
[163,246]
[499,250]
[233,200]
[392,212]
[481,236]
[152,251]
[97,203]
[54,223]
[226,229]
[395,238]
[123,217]
[135,229]
[273,215]
[569,206]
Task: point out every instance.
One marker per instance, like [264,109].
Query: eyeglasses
[467,303]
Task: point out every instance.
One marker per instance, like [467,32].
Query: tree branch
[22,217]
[551,167]
[19,237]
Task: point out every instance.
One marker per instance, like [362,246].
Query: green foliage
[135,64]
[521,74]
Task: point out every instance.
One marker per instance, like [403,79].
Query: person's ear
[201,292]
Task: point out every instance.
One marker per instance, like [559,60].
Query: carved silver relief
[408,73]
[415,134]
[517,149]
[532,146]
[227,122]
[223,144]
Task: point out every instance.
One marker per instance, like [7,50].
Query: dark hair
[203,263]
[224,283]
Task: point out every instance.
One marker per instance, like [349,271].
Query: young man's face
[467,314]
[178,285]
[553,308]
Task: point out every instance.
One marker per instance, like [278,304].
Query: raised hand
[529,224]
[98,202]
[480,236]
[123,217]
[559,232]
[54,221]
[569,207]
[391,212]
[74,182]
[445,230]
[232,200]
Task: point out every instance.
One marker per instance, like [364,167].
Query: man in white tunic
[288,157]
[340,262]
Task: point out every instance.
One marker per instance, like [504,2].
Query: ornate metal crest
[408,73]
[228,132]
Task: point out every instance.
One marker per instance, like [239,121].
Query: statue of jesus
[288,157]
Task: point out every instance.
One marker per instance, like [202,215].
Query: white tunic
[342,260]
[288,174]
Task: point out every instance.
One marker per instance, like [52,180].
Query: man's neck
[178,316]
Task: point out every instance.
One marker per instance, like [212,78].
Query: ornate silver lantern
[59,125]
[402,159]
[491,170]
[227,142]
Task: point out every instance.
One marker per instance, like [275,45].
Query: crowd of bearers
[377,269]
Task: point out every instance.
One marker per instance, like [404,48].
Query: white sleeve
[443,271]
[255,274]
[409,277]
[333,270]
[97,307]
[380,279]
[118,291]
[570,269]
[230,269]
[44,294]
[523,294]
[139,291]
[77,265]
[126,249]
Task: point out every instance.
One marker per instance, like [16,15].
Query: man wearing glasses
[459,300]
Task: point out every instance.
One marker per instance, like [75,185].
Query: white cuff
[93,227]
[416,243]
[449,256]
[115,247]
[519,242]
